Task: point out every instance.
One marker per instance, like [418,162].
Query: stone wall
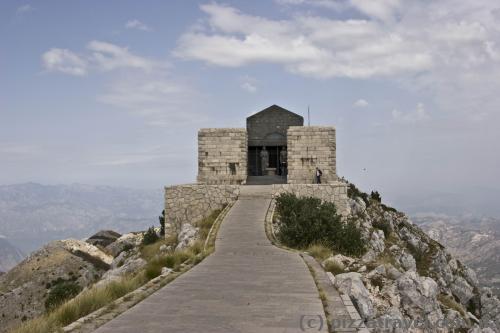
[310,147]
[193,202]
[222,156]
[335,192]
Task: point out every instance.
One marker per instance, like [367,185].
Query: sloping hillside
[66,265]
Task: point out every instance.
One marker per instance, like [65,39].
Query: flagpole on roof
[308,117]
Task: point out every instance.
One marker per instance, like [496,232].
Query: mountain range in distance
[32,214]
[475,240]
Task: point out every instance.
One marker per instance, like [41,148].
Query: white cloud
[311,46]
[248,84]
[159,100]
[248,87]
[102,56]
[109,56]
[136,24]
[329,4]
[416,116]
[447,49]
[360,103]
[25,8]
[64,61]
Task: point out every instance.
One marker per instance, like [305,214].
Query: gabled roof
[275,109]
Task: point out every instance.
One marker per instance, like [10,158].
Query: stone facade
[222,155]
[269,126]
[191,203]
[310,147]
[335,192]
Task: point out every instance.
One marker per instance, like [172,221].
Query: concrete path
[246,285]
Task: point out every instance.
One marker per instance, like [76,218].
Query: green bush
[382,224]
[162,223]
[353,192]
[306,221]
[150,236]
[375,196]
[61,292]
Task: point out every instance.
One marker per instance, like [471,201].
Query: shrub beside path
[246,285]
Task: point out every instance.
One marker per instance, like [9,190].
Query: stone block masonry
[222,156]
[310,147]
[335,192]
[193,202]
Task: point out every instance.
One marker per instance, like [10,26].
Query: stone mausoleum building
[274,149]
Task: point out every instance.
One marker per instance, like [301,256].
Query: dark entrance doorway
[268,128]
[275,162]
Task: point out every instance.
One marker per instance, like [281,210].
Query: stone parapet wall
[222,156]
[335,192]
[193,202]
[310,147]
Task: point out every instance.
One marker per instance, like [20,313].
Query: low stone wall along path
[246,285]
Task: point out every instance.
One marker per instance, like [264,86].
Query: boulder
[403,258]
[490,309]
[407,262]
[454,319]
[103,238]
[166,271]
[125,242]
[462,290]
[165,248]
[419,296]
[130,266]
[392,272]
[87,251]
[376,245]
[392,321]
[187,236]
[357,205]
[352,285]
[339,260]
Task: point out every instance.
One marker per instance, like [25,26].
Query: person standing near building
[319,173]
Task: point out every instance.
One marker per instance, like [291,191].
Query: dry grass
[86,302]
[319,251]
[334,267]
[449,302]
[149,251]
[205,224]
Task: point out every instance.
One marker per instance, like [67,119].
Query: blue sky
[113,92]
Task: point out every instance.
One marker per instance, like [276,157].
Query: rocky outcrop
[125,242]
[490,310]
[351,284]
[186,236]
[24,289]
[103,238]
[407,275]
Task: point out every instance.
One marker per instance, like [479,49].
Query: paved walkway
[246,285]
